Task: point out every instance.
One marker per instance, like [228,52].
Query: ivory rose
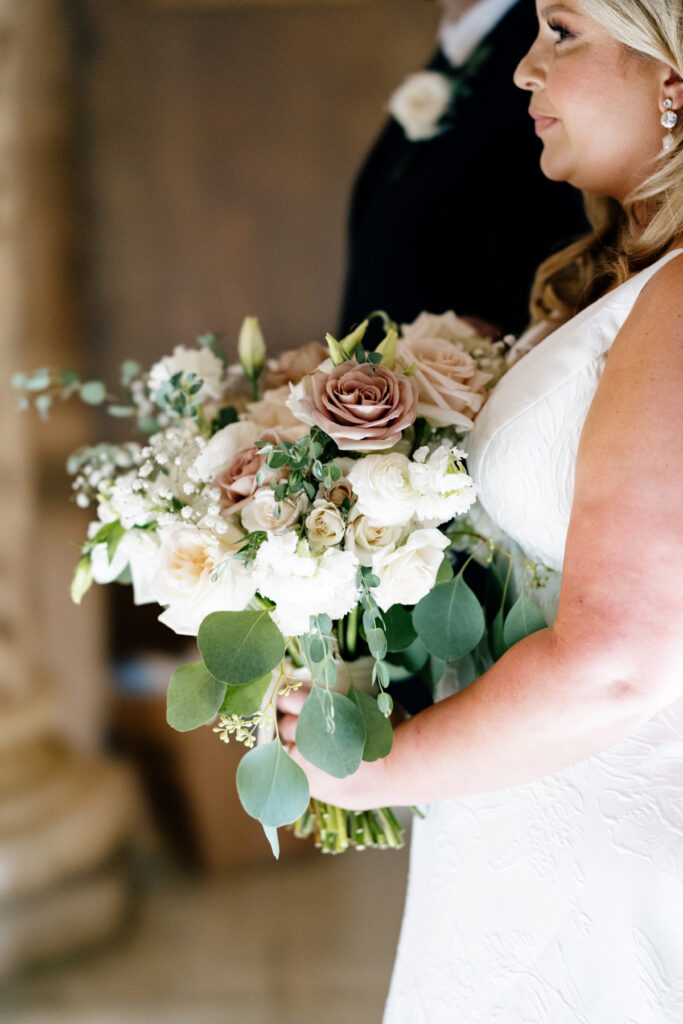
[420,102]
[259,512]
[451,387]
[385,491]
[272,412]
[201,361]
[407,573]
[363,407]
[324,525]
[365,537]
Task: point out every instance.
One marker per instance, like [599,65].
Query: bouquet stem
[336,829]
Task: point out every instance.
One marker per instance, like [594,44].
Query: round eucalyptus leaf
[399,629]
[93,392]
[247,699]
[330,732]
[238,647]
[379,735]
[449,620]
[271,786]
[523,619]
[194,697]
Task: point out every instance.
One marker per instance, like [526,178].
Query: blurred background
[166,168]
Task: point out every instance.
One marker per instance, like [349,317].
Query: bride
[546,880]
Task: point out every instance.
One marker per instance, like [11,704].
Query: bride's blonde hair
[571,279]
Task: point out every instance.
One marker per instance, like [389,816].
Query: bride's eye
[561,31]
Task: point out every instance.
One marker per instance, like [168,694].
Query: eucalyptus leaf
[93,392]
[399,629]
[272,837]
[330,732]
[497,643]
[445,572]
[238,647]
[449,620]
[194,697]
[271,786]
[247,699]
[379,735]
[523,619]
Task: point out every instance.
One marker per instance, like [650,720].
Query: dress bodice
[522,450]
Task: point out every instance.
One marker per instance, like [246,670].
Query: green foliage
[247,699]
[93,392]
[194,697]
[449,620]
[523,619]
[445,572]
[309,458]
[252,542]
[226,416]
[271,786]
[379,735]
[330,732]
[238,647]
[273,839]
[399,629]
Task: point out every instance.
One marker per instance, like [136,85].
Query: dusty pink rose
[362,407]
[451,387]
[295,364]
[238,481]
[272,411]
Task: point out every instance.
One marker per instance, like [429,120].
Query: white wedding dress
[559,901]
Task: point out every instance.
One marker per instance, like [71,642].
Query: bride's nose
[529,73]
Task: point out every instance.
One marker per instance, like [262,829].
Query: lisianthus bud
[251,348]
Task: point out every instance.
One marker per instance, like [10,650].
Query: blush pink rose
[238,481]
[296,363]
[363,407]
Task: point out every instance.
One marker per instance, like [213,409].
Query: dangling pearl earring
[668,120]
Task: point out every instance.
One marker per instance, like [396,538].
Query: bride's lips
[542,121]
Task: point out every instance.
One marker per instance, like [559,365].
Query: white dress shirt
[459,38]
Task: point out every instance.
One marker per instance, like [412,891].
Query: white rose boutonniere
[420,102]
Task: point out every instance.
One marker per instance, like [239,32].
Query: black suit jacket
[460,221]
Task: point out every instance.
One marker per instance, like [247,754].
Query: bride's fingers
[292,702]
[287,728]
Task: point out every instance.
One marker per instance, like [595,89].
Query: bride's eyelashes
[561,31]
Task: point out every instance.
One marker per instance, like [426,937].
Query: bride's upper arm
[622,589]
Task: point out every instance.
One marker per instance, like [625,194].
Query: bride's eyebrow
[546,12]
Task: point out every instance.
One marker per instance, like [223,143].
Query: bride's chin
[552,168]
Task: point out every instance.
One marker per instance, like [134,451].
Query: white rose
[420,102]
[324,525]
[272,412]
[407,573]
[445,490]
[259,512]
[384,488]
[201,361]
[188,559]
[302,584]
[365,537]
[223,446]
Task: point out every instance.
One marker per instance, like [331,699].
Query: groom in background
[451,211]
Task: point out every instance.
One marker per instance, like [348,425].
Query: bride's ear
[672,89]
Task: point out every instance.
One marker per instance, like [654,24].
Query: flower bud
[251,348]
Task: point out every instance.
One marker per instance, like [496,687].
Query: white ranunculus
[384,487]
[420,102]
[407,573]
[324,525]
[188,559]
[445,490]
[201,361]
[302,584]
[365,537]
[259,511]
[223,446]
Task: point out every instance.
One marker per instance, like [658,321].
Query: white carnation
[201,361]
[407,573]
[302,584]
[444,490]
[197,574]
[385,490]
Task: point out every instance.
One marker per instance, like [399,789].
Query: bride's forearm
[536,711]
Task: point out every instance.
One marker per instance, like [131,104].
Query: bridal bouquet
[300,532]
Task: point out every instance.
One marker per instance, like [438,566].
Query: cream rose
[365,537]
[385,491]
[295,364]
[202,361]
[407,573]
[420,102]
[324,525]
[198,574]
[451,387]
[363,407]
[272,412]
[259,513]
